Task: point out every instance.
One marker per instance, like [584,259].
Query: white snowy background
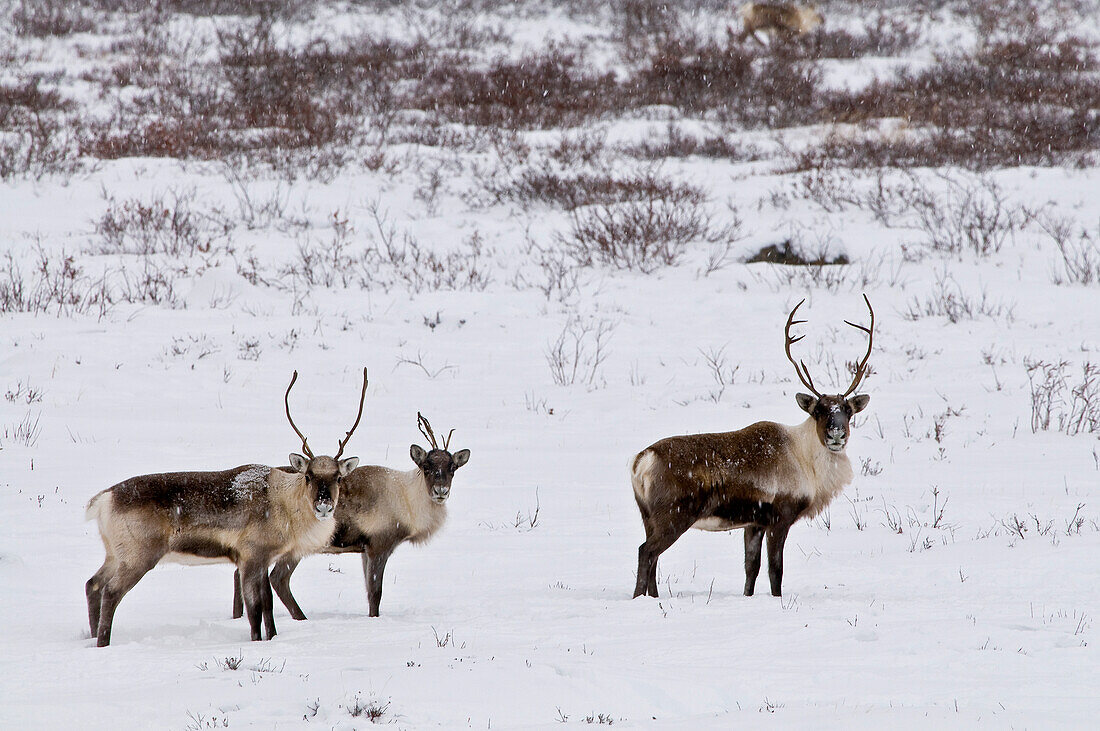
[956,581]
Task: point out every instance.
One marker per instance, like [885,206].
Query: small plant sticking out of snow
[578,354]
[769,706]
[372,710]
[445,640]
[24,432]
[231,663]
[724,376]
[1078,249]
[1057,403]
[198,722]
[600,719]
[948,299]
[23,392]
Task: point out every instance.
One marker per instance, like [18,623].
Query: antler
[347,436]
[861,369]
[426,430]
[803,372]
[286,401]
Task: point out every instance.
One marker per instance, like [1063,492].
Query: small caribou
[761,478]
[785,21]
[247,515]
[379,509]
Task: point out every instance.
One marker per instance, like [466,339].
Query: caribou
[247,515]
[761,478]
[379,509]
[782,20]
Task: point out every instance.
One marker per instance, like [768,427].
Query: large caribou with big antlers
[379,509]
[761,478]
[248,515]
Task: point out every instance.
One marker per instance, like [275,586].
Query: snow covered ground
[955,582]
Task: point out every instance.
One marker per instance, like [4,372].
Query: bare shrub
[886,34]
[255,209]
[973,216]
[643,234]
[579,352]
[678,144]
[547,184]
[693,76]
[55,285]
[776,90]
[275,8]
[44,18]
[539,91]
[27,97]
[274,88]
[586,147]
[162,224]
[723,375]
[36,136]
[261,96]
[1019,99]
[389,258]
[326,265]
[155,284]
[1079,250]
[639,25]
[555,273]
[1056,402]
[949,299]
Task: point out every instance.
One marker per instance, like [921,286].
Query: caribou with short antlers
[379,509]
[761,478]
[247,515]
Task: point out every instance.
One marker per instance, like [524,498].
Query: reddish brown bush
[538,91]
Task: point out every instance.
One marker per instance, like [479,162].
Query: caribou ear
[347,465]
[859,403]
[298,463]
[806,402]
[419,456]
[461,457]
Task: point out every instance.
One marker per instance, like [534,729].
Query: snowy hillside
[534,223]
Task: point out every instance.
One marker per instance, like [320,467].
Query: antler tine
[347,436]
[447,441]
[426,430]
[861,369]
[286,402]
[803,372]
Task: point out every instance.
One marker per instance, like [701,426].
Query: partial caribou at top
[761,478]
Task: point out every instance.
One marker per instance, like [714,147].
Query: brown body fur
[247,515]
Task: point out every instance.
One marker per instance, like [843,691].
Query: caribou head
[323,475]
[437,464]
[832,413]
